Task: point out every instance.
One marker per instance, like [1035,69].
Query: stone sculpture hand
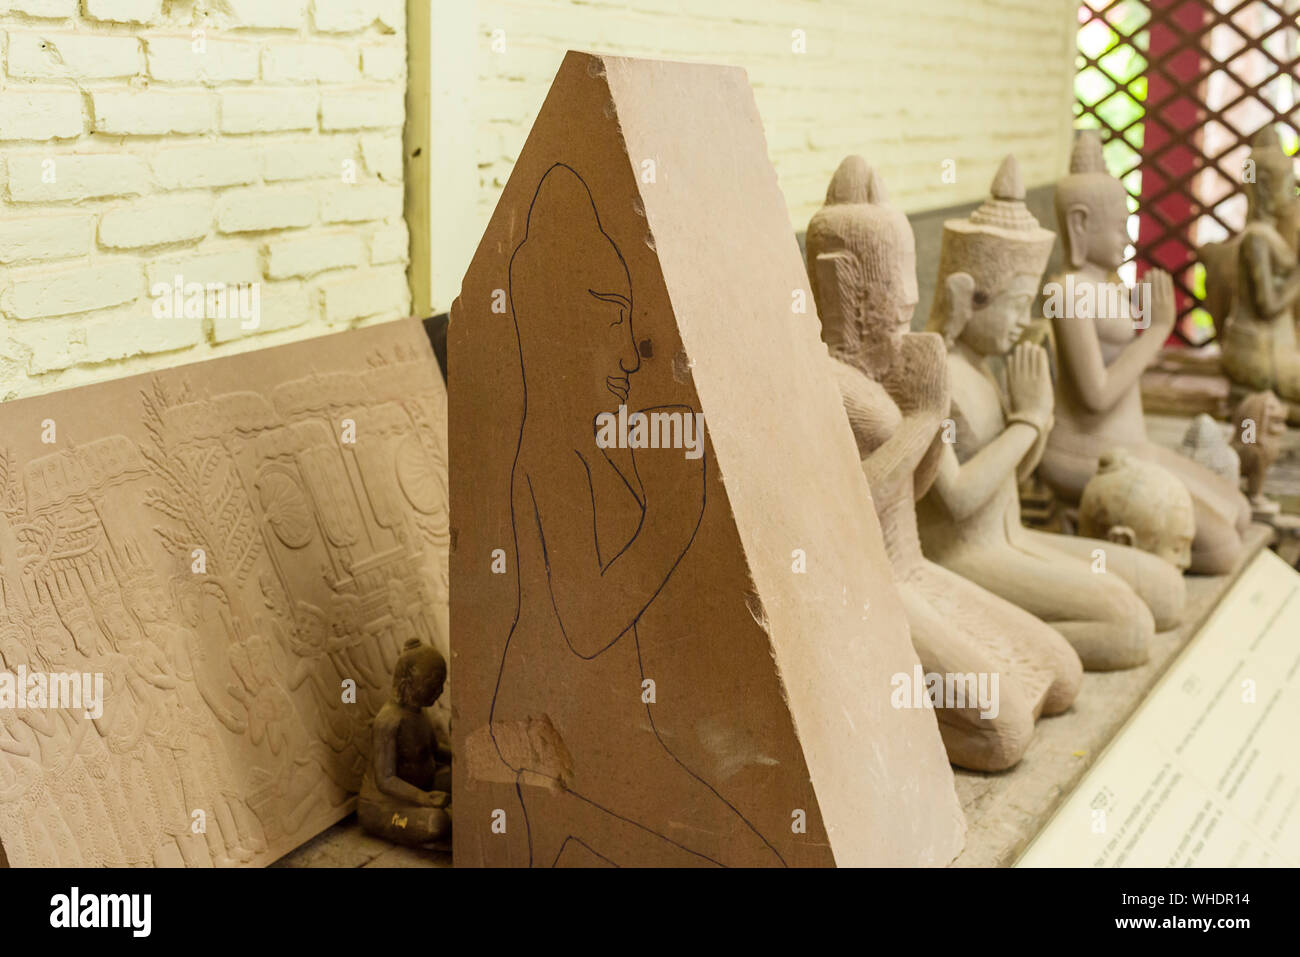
[918,381]
[1029,382]
[1164,310]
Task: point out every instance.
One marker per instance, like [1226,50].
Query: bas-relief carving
[895,390]
[1102,357]
[989,271]
[223,670]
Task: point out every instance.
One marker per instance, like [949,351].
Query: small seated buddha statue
[406,791]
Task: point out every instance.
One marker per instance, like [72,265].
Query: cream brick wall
[907,83]
[131,152]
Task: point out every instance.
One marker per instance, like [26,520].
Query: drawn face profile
[591,769]
[568,264]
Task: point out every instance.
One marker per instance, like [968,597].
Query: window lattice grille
[1178,88]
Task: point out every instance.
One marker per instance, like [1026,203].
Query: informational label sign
[1204,774]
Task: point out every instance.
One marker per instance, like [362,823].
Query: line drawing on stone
[576,610]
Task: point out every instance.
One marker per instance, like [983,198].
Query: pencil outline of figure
[566,235]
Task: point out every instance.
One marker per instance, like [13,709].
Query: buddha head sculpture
[990,267]
[419,675]
[1271,190]
[1137,503]
[1091,208]
[862,269]
[1204,443]
[1259,422]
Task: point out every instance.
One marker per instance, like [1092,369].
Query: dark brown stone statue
[407,788]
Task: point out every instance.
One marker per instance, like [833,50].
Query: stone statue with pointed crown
[990,266]
[1096,319]
[893,382]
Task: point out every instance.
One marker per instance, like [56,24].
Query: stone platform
[346,845]
[1004,811]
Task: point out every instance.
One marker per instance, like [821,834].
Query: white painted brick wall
[123,11]
[44,237]
[44,176]
[362,294]
[362,109]
[355,204]
[229,264]
[258,210]
[175,60]
[52,9]
[52,55]
[346,16]
[155,223]
[306,254]
[268,110]
[127,157]
[906,83]
[31,114]
[389,245]
[151,112]
[305,62]
[224,141]
[33,293]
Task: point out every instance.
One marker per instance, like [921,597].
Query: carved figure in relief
[212,702]
[197,750]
